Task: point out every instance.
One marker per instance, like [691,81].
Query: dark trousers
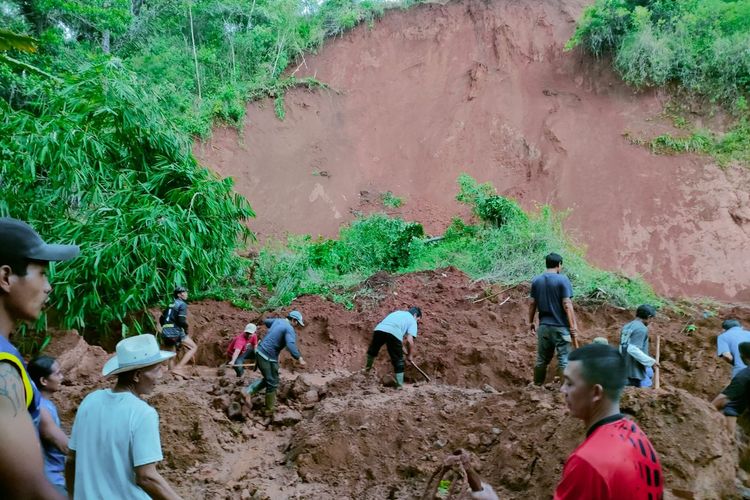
[270,372]
[395,349]
[248,355]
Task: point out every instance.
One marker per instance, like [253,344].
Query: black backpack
[167,316]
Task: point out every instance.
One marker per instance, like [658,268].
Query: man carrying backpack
[174,330]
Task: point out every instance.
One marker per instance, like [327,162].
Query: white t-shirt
[113,433]
[398,324]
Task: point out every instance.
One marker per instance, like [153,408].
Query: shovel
[420,371]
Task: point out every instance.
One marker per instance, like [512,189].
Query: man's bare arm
[570,312]
[21,466]
[727,356]
[149,479]
[409,347]
[51,433]
[532,315]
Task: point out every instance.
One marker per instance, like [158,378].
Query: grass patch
[390,200]
[508,247]
[703,46]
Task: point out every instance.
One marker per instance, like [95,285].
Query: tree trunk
[105,41]
[195,53]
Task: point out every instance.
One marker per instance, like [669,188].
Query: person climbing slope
[634,347]
[174,331]
[280,335]
[397,332]
[551,295]
[727,344]
[242,347]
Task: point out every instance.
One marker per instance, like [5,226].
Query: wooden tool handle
[656,368]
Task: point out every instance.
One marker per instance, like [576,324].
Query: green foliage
[390,200]
[328,267]
[95,162]
[510,253]
[487,204]
[704,45]
[242,47]
[278,106]
[732,146]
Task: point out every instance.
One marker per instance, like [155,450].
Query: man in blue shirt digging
[397,331]
[280,335]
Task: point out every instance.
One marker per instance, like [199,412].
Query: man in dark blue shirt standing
[551,295]
[280,335]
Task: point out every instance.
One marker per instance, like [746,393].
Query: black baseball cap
[18,239]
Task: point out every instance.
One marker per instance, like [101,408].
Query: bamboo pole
[656,368]
[195,54]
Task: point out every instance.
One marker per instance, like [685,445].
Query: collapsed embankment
[342,435]
[486,88]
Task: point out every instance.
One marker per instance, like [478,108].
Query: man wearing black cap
[24,289]
[634,347]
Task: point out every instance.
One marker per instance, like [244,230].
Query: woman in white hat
[115,443]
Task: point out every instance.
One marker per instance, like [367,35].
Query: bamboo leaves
[102,167]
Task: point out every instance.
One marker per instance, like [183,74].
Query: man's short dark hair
[744,349]
[730,323]
[179,290]
[553,260]
[18,265]
[645,311]
[417,312]
[602,364]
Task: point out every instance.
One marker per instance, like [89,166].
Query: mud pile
[339,434]
[486,88]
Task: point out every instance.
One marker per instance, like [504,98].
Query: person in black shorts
[174,331]
[735,398]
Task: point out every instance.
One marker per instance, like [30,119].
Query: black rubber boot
[540,373]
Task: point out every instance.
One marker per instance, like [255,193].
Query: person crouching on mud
[397,331]
[280,334]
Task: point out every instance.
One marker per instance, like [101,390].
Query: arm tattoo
[11,390]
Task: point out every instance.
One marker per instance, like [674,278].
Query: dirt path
[485,88]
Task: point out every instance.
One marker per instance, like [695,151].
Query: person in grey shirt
[551,295]
[634,346]
[280,335]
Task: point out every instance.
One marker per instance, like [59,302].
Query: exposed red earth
[342,435]
[486,88]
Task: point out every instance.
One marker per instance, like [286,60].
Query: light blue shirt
[398,324]
[113,433]
[54,459]
[730,341]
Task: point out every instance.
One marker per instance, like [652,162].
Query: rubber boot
[400,380]
[540,373]
[270,404]
[370,361]
[254,387]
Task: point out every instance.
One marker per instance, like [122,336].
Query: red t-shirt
[241,343]
[615,462]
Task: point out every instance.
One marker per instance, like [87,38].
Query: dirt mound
[80,362]
[471,333]
[486,88]
[380,443]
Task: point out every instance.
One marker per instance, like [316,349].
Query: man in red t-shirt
[616,461]
[243,347]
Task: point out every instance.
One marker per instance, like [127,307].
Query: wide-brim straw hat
[134,353]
